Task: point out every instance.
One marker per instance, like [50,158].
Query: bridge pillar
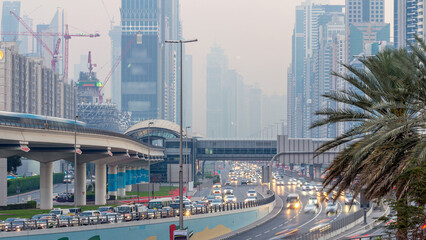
[112,180]
[121,182]
[291,168]
[311,171]
[317,171]
[100,184]
[3,181]
[134,175]
[80,184]
[46,185]
[128,179]
[139,175]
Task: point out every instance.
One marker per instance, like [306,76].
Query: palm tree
[387,110]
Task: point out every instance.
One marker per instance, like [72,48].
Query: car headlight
[288,204]
[297,205]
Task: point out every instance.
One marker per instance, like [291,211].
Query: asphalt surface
[291,222]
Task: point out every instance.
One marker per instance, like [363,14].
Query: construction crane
[67,36]
[117,62]
[53,54]
[90,65]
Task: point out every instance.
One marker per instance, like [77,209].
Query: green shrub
[27,205]
[27,184]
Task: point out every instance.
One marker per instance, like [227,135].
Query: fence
[71,221]
[323,230]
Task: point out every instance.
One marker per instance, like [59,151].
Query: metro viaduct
[122,154]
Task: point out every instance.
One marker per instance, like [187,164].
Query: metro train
[37,121]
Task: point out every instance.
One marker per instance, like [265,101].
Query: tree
[386,107]
[13,163]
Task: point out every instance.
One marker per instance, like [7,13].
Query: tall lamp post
[149,160]
[181,42]
[188,159]
[75,159]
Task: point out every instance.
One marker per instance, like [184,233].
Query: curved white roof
[156,123]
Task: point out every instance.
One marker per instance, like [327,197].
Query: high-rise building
[217,66]
[39,48]
[30,87]
[307,77]
[409,20]
[187,92]
[149,68]
[9,24]
[364,24]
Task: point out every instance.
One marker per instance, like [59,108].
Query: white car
[311,208]
[331,207]
[230,199]
[292,181]
[251,193]
[348,199]
[217,202]
[313,200]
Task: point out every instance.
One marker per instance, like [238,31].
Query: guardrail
[57,222]
[323,230]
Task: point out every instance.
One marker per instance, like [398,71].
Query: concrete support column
[317,171]
[46,185]
[134,175]
[3,181]
[100,184]
[121,182]
[80,184]
[311,171]
[112,180]
[291,168]
[128,179]
[138,175]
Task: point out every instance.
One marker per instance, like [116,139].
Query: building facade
[27,86]
[149,72]
[9,24]
[409,20]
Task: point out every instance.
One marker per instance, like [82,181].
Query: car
[250,199]
[176,199]
[112,217]
[89,217]
[228,191]
[18,224]
[243,182]
[249,181]
[251,193]
[3,226]
[75,211]
[209,199]
[227,183]
[313,200]
[253,180]
[59,211]
[216,191]
[348,199]
[293,200]
[67,221]
[280,181]
[153,213]
[331,207]
[67,179]
[106,209]
[217,202]
[292,181]
[234,179]
[217,196]
[230,199]
[311,208]
[217,185]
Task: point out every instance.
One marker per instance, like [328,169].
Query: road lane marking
[266,231]
[258,235]
[274,228]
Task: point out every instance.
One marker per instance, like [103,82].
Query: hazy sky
[256,35]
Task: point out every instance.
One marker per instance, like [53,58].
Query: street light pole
[181,42]
[188,159]
[149,160]
[75,159]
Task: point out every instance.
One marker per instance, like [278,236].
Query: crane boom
[32,33]
[55,55]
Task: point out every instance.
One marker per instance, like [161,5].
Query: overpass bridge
[50,139]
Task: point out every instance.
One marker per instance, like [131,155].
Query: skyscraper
[148,70]
[409,20]
[217,66]
[364,24]
[9,23]
[115,36]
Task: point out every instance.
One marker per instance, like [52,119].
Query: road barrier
[57,222]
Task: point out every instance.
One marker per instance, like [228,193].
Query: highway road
[291,222]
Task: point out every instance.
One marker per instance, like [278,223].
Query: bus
[159,203]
